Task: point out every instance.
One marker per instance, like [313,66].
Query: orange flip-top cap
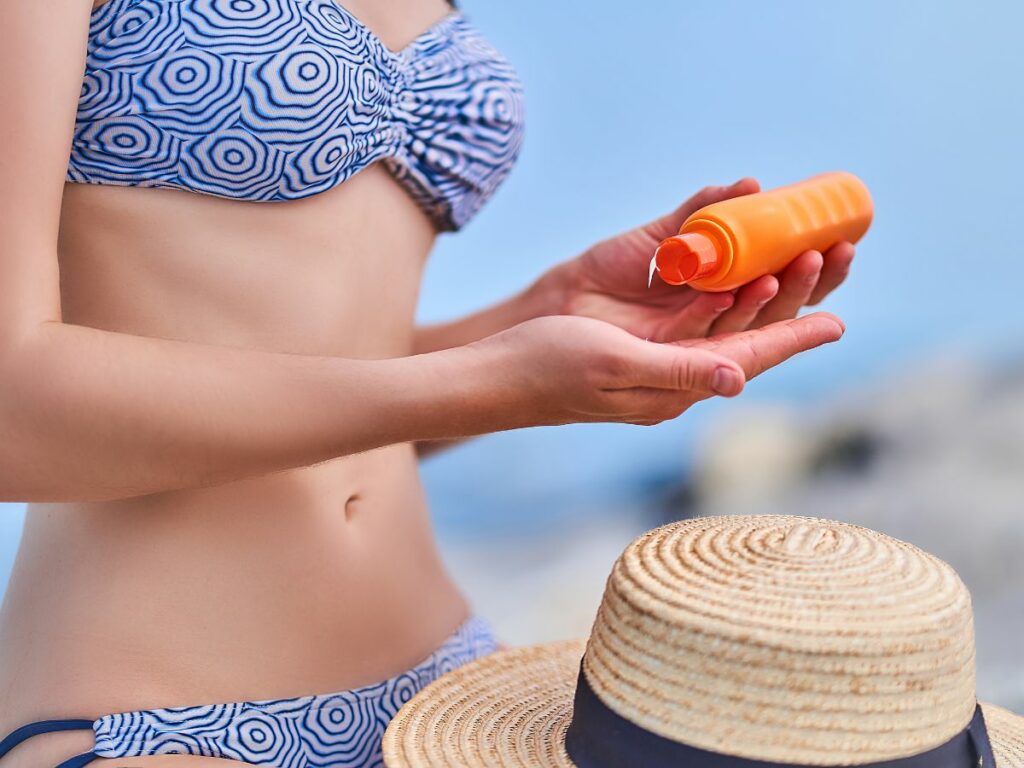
[686,257]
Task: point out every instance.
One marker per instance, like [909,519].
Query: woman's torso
[299,582]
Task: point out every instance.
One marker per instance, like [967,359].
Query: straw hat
[734,642]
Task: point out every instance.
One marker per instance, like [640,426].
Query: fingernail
[762,302]
[812,279]
[723,307]
[725,381]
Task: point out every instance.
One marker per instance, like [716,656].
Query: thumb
[668,366]
[669,224]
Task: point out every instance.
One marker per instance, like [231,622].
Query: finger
[837,260]
[669,224]
[696,318]
[750,299]
[796,284]
[666,366]
[759,349]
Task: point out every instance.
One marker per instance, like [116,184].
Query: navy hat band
[599,737]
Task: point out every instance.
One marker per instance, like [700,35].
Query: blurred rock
[934,457]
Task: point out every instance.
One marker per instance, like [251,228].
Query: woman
[214,396]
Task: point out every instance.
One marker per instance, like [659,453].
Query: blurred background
[913,424]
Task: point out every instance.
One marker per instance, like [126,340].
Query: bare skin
[217,409]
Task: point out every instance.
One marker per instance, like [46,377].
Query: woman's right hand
[561,369]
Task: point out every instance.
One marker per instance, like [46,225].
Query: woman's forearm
[538,299]
[89,415]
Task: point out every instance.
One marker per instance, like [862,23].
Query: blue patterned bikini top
[281,99]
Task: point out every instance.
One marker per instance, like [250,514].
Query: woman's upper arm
[42,60]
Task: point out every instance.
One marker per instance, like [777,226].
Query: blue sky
[632,107]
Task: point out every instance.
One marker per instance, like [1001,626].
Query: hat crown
[785,639]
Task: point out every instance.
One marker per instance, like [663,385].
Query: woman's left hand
[609,282]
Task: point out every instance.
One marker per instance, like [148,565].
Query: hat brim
[511,709]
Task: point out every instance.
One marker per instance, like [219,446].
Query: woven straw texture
[508,710]
[1006,731]
[783,639]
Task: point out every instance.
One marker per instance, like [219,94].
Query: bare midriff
[299,582]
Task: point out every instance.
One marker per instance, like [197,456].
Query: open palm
[609,282]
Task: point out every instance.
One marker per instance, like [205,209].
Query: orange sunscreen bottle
[729,243]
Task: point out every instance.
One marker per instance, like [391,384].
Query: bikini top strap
[15,737]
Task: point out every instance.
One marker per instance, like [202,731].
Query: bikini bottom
[331,730]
